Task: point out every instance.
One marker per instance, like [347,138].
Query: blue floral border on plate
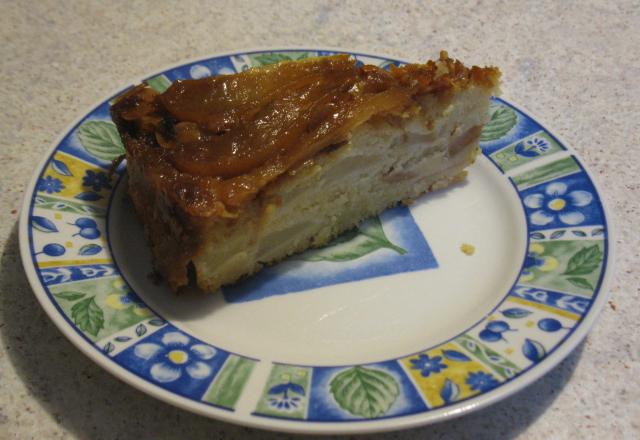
[541,170]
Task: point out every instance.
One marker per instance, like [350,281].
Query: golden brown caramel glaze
[212,144]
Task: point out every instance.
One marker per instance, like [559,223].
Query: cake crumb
[467,249]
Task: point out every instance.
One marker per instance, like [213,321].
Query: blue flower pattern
[282,400]
[557,202]
[97,181]
[175,357]
[50,185]
[532,147]
[531,261]
[481,381]
[427,365]
[132,298]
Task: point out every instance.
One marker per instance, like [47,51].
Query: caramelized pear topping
[278,114]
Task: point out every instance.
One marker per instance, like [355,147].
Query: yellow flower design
[535,261]
[124,298]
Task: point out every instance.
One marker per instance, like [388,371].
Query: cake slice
[234,172]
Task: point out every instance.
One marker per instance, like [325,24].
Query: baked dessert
[233,172]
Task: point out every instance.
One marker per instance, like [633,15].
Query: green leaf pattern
[264,59]
[88,316]
[366,392]
[159,83]
[501,365]
[367,238]
[69,296]
[101,139]
[502,120]
[55,204]
[584,261]
[580,282]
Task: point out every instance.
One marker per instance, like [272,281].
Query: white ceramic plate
[391,328]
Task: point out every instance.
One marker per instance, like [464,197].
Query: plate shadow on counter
[90,403]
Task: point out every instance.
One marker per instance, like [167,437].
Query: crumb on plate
[467,249]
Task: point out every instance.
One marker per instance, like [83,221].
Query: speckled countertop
[575,64]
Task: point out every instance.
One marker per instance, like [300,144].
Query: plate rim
[304,426]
